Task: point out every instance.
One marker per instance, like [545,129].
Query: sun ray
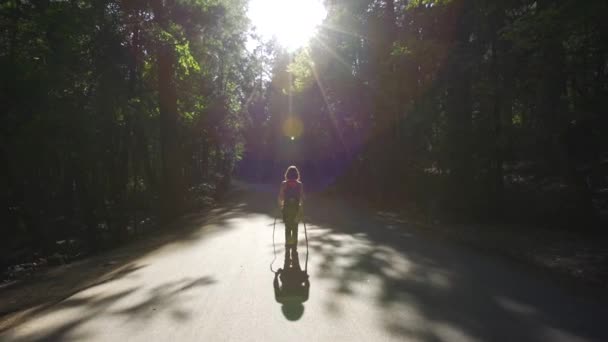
[290,92]
[334,54]
[330,113]
[339,30]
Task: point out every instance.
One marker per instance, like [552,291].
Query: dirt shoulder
[578,261]
[580,258]
[21,299]
[24,298]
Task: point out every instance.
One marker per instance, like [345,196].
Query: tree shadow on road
[432,290]
[32,296]
[166,298]
[423,289]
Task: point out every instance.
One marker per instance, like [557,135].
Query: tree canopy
[120,113]
[458,109]
[117,112]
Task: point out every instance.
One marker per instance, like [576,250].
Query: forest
[464,111]
[121,115]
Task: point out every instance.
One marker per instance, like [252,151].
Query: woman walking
[291,197]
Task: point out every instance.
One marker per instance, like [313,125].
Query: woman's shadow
[291,286]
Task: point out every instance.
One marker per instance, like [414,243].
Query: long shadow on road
[421,289]
[164,298]
[68,287]
[57,286]
[430,290]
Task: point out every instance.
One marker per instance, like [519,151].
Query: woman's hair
[292,173]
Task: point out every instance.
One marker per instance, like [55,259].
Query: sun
[291,22]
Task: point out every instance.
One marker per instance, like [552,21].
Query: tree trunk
[497,159]
[459,130]
[171,188]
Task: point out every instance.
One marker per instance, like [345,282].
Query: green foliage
[483,93]
[186,60]
[80,132]
[301,70]
[427,3]
[400,50]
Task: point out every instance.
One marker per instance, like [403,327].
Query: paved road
[371,279]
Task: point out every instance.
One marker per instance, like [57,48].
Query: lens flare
[293,127]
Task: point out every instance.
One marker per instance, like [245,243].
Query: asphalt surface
[371,278]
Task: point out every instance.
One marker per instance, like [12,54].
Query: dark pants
[290,217]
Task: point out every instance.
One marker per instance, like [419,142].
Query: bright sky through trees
[292,22]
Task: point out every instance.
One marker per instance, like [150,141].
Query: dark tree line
[116,113]
[456,109]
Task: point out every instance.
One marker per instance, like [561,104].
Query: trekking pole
[274,225]
[306,237]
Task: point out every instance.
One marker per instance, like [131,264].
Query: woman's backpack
[292,192]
